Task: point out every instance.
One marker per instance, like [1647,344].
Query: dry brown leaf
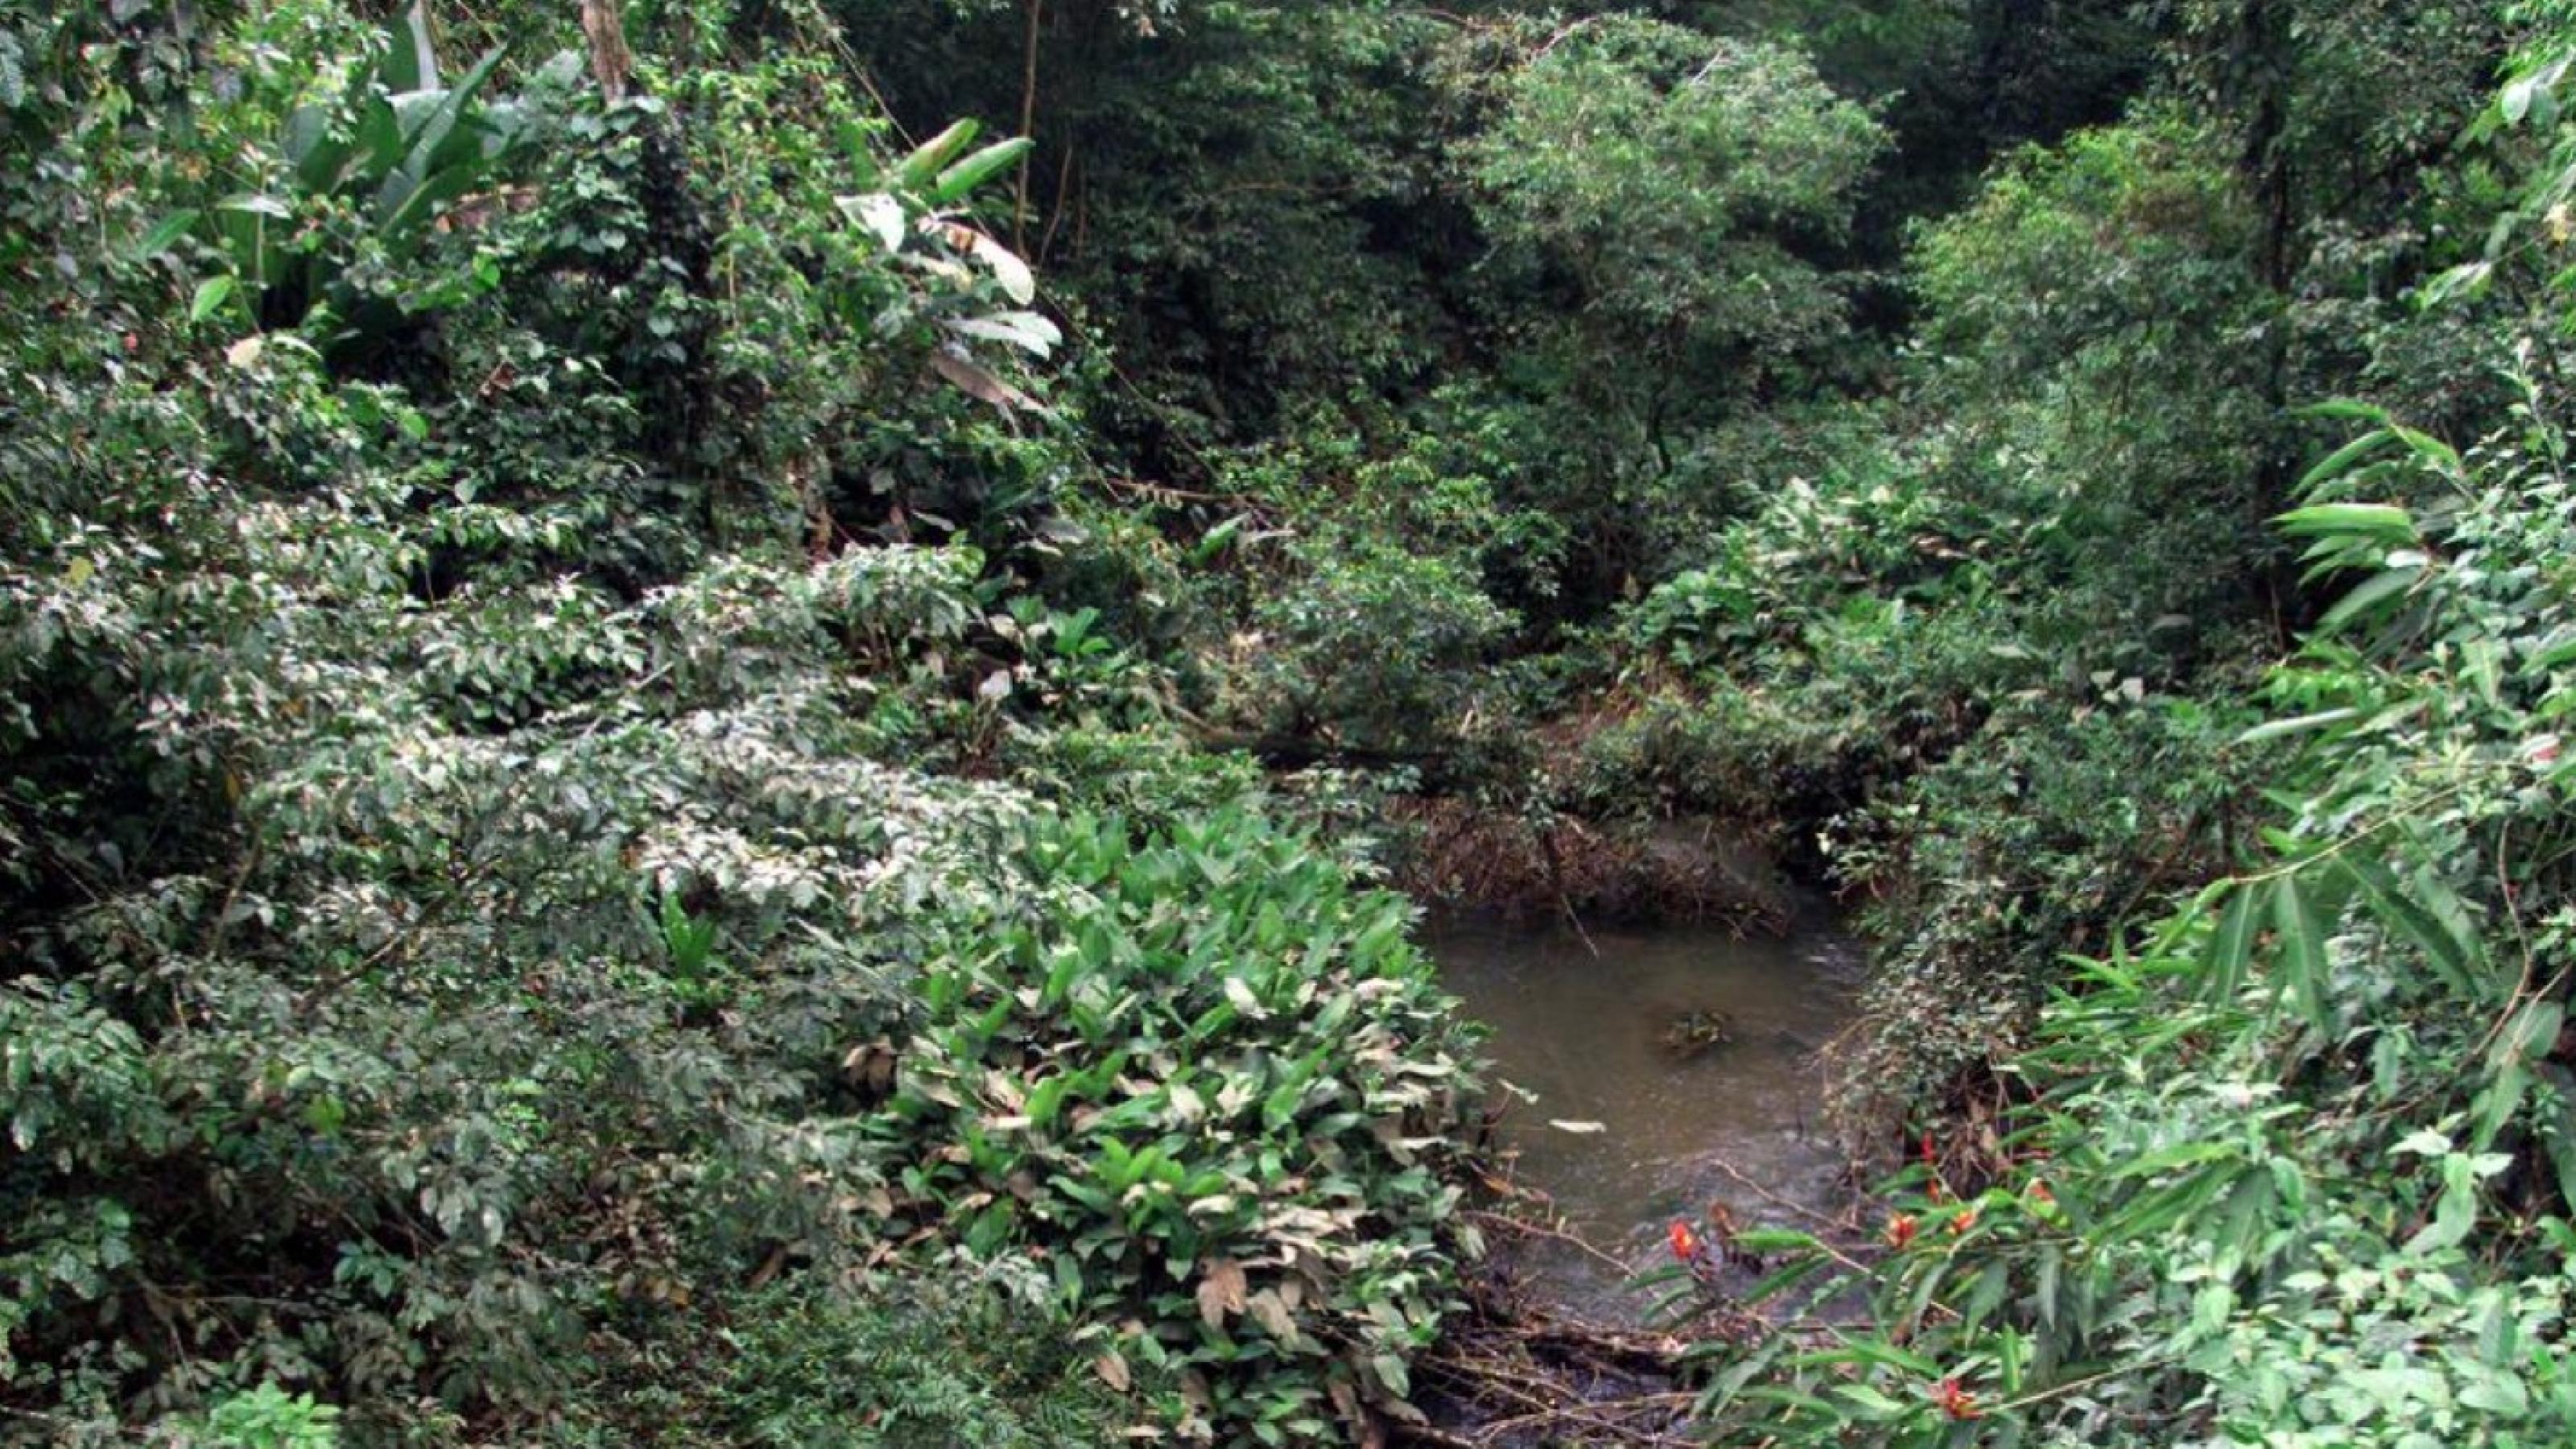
[1273,1315]
[1221,1290]
[977,383]
[1112,1368]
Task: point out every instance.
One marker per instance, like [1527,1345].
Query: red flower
[2040,1194]
[1900,1231]
[1955,1401]
[1966,1219]
[1684,1245]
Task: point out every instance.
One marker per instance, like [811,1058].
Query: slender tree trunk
[1028,125]
[611,63]
[2263,50]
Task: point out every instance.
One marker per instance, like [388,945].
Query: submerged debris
[1694,1032]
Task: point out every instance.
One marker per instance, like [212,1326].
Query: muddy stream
[1618,1045]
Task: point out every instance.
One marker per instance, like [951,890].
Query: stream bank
[1469,861]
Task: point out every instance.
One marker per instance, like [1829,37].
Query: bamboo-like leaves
[2458,958]
[2303,920]
[2371,597]
[2512,1065]
[2383,523]
[2229,958]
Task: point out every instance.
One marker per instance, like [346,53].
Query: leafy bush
[353,184]
[1376,647]
[1658,201]
[1674,176]
[269,1418]
[2044,833]
[1796,562]
[965,1354]
[1223,1122]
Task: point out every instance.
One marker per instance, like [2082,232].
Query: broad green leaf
[1988,1293]
[930,156]
[1027,331]
[879,215]
[1870,1402]
[211,295]
[1017,282]
[2429,448]
[2379,522]
[2335,464]
[2455,1212]
[1781,1279]
[2515,103]
[2458,963]
[2166,1159]
[411,62]
[957,181]
[2560,649]
[1775,1240]
[2346,410]
[2526,1038]
[256,203]
[167,232]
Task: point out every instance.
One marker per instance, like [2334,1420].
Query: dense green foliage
[695,747]
[2289,1162]
[501,846]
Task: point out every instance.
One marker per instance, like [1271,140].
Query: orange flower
[2040,1194]
[1900,1231]
[1955,1401]
[1684,1245]
[1966,1219]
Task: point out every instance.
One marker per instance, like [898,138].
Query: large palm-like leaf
[400,142]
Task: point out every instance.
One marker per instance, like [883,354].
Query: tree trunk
[611,63]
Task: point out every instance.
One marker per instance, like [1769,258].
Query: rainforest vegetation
[721,721]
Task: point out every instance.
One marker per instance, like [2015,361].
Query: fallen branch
[1528,1229]
[1670,1404]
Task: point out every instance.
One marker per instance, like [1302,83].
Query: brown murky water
[1586,1034]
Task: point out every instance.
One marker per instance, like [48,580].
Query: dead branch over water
[1520,1374]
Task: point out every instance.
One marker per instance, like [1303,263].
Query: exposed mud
[1461,856]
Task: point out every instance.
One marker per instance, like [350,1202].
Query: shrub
[1222,1123]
